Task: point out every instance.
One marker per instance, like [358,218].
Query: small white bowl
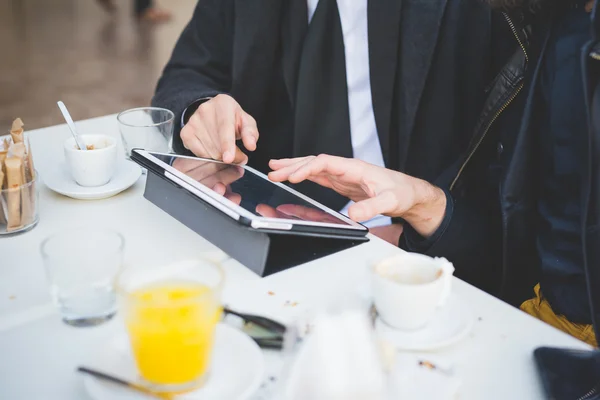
[92,168]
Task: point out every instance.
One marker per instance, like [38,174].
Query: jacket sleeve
[201,62]
[469,236]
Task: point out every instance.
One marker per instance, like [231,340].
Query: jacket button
[500,149]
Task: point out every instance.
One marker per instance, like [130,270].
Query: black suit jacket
[430,62]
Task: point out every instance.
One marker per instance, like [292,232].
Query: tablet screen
[252,192]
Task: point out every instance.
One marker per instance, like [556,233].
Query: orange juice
[171,327]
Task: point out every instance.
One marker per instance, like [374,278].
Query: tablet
[248,196]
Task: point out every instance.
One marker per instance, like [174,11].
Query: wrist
[191,109]
[428,209]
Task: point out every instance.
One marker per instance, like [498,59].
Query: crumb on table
[427,364]
[12,297]
[270,293]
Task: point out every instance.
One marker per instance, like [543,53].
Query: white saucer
[59,180]
[450,324]
[236,372]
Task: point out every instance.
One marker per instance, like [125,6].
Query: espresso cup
[94,167]
[409,287]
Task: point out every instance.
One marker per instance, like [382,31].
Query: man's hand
[213,129]
[375,190]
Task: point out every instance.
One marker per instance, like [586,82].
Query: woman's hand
[375,190]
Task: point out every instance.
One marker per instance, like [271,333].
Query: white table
[38,353]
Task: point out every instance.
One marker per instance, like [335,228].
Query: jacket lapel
[421,23]
[384,31]
[293,30]
[254,52]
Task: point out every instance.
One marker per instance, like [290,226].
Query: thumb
[248,131]
[364,210]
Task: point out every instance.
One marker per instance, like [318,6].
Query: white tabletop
[39,353]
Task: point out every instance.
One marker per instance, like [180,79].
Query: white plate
[450,324]
[236,372]
[59,180]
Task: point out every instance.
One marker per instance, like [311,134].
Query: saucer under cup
[237,369]
[59,180]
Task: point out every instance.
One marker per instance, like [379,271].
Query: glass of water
[148,128]
[81,267]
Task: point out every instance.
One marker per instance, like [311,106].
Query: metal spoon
[71,124]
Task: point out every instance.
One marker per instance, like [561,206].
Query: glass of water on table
[81,267]
[148,128]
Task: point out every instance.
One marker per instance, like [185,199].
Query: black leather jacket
[490,236]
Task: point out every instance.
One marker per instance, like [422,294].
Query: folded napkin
[340,359]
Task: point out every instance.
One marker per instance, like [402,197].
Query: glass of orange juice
[171,313]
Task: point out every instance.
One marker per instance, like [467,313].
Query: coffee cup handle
[447,274]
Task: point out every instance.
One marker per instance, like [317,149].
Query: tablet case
[264,253]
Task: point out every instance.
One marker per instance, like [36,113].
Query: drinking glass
[171,313]
[148,128]
[81,266]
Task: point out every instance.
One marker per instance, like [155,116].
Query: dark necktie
[322,122]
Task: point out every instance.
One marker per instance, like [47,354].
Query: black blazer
[430,62]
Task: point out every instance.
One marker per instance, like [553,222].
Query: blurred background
[97,62]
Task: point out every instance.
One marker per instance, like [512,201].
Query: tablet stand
[263,253]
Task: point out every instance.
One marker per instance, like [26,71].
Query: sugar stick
[18,150]
[29,168]
[2,216]
[13,176]
[17,131]
[3,155]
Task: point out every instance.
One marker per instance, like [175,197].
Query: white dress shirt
[363,131]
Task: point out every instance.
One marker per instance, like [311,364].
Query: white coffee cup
[91,167]
[409,287]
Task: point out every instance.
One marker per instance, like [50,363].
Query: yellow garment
[540,308]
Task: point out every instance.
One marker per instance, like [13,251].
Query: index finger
[248,131]
[276,164]
[226,131]
[283,173]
